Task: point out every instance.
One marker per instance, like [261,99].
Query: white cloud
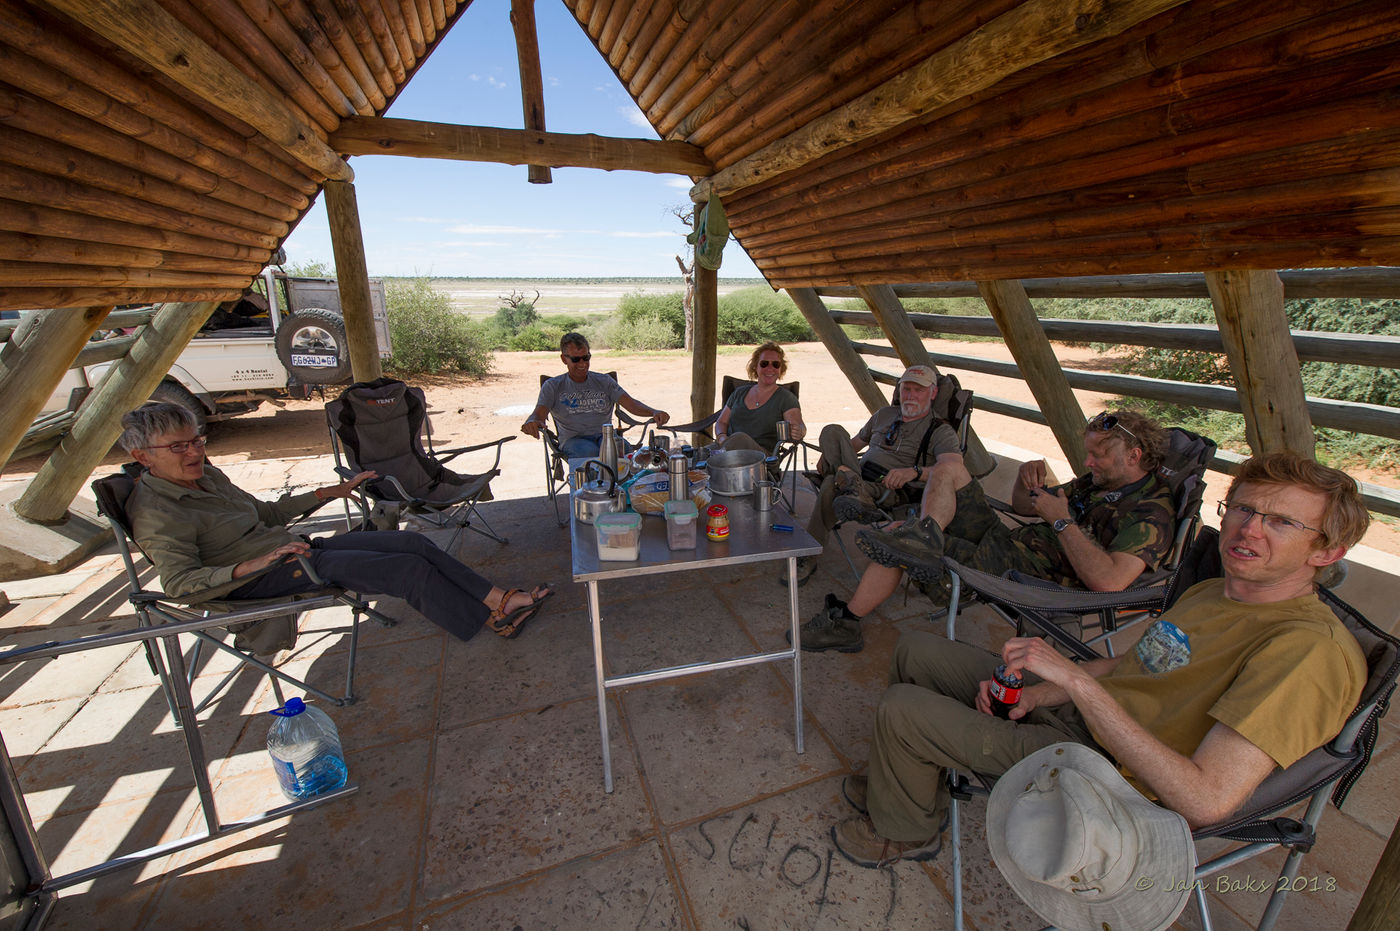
[683,184]
[497,84]
[633,114]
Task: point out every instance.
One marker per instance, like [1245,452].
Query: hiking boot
[806,568]
[833,628]
[916,546]
[852,508]
[853,789]
[859,842]
[847,481]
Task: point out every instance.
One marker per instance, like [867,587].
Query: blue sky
[451,218]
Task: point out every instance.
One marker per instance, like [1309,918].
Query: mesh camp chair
[383,425]
[260,626]
[1056,611]
[952,404]
[1266,821]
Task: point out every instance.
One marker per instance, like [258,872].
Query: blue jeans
[584,447]
[401,563]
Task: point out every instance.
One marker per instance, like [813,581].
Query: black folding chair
[383,425]
[1263,823]
[260,626]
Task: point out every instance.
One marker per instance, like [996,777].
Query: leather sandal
[508,624]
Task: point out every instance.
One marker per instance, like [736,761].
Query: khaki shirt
[196,536]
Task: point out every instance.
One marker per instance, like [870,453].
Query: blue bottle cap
[294,707]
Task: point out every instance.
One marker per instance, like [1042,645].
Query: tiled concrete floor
[480,800]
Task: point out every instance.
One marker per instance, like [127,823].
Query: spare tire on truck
[311,344]
[172,392]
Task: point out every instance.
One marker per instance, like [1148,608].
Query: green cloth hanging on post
[711,233]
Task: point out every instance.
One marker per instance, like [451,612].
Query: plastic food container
[619,536]
[681,518]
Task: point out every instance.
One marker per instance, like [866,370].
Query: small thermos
[678,476]
[607,449]
[1005,691]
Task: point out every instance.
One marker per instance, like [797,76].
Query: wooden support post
[703,366]
[1016,320]
[909,345]
[126,385]
[352,276]
[837,343]
[1376,910]
[527,50]
[1254,329]
[34,361]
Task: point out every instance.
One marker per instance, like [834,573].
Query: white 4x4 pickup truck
[284,337]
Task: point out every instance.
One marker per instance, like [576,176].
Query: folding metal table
[751,539]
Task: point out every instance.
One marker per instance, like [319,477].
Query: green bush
[639,334]
[637,308]
[427,335]
[755,315]
[535,338]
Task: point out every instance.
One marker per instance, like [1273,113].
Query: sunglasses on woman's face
[769,364]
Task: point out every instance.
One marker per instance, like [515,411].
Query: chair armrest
[449,454]
[695,426]
[1019,591]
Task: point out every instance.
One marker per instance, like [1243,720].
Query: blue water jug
[305,750]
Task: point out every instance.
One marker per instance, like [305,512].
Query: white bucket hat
[1086,850]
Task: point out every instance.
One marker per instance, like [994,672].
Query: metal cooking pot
[592,498]
[734,472]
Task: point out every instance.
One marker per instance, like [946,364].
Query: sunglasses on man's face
[769,364]
[577,359]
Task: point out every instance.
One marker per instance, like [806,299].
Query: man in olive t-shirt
[1243,674]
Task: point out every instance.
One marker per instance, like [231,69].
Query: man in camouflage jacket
[1100,531]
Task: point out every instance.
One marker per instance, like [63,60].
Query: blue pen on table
[781,528]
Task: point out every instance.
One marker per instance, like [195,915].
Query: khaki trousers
[927,721]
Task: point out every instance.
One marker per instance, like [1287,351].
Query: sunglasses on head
[1106,423]
[893,432]
[769,364]
[577,359]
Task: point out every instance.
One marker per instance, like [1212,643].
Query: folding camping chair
[952,403]
[1262,824]
[383,425]
[262,625]
[1028,602]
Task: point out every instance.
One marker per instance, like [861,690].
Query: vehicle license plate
[314,360]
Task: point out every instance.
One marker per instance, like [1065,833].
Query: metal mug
[784,432]
[765,495]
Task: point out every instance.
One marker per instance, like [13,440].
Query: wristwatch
[1062,524]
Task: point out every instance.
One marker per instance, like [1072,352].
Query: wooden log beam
[1036,360]
[839,346]
[1382,282]
[704,365]
[24,298]
[1379,903]
[385,136]
[1032,32]
[33,362]
[19,274]
[352,277]
[527,50]
[125,386]
[1254,328]
[1311,345]
[909,345]
[144,29]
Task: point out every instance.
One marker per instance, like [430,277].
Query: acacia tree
[686,214]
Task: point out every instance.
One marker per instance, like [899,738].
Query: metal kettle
[594,497]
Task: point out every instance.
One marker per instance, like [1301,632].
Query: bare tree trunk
[688,273]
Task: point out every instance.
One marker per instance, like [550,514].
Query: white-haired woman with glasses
[751,413]
[205,535]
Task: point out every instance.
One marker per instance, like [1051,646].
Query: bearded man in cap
[885,464]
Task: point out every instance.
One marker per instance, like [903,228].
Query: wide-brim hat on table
[1083,848]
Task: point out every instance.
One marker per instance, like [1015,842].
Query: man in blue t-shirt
[581,402]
